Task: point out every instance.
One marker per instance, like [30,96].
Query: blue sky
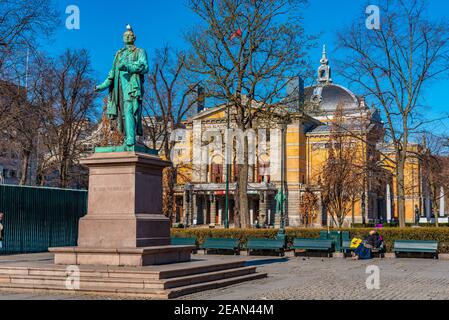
[159,22]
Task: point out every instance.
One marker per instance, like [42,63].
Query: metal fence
[40,218]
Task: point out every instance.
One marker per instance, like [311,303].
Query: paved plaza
[342,279]
[308,279]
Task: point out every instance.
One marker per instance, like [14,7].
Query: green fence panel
[40,218]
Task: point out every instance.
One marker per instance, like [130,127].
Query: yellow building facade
[208,148]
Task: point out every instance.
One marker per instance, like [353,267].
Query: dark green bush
[389,234]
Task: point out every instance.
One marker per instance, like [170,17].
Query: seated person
[373,241]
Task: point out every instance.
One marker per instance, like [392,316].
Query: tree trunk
[170,193]
[243,188]
[63,174]
[24,167]
[400,180]
[353,212]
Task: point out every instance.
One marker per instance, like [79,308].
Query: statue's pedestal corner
[137,148]
[125,257]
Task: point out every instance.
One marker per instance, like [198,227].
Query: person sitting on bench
[363,252]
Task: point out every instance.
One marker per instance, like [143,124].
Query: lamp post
[280,198]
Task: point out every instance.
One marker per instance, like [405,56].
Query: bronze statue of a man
[126,88]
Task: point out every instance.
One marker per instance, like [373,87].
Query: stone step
[131,292]
[168,272]
[136,283]
[208,277]
[182,291]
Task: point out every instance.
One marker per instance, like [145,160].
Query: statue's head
[129,38]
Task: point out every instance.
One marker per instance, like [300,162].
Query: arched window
[263,172]
[216,170]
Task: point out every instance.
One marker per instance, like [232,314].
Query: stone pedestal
[124,225]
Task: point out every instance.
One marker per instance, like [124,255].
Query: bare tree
[65,97]
[19,123]
[170,86]
[22,24]
[341,179]
[393,66]
[309,206]
[247,51]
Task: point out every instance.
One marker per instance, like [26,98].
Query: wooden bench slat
[265,244]
[312,244]
[218,243]
[415,246]
[183,241]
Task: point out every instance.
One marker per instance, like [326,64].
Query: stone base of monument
[122,257]
[152,282]
[124,225]
[123,240]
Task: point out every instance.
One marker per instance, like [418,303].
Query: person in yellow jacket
[363,251]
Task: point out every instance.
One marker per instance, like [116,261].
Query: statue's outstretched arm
[107,83]
[110,79]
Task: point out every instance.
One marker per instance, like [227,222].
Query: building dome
[325,96]
[328,96]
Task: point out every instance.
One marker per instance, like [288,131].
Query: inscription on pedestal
[112,189]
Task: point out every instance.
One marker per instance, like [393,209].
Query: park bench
[324,235]
[346,246]
[415,246]
[335,236]
[346,243]
[346,249]
[266,244]
[221,244]
[313,245]
[184,242]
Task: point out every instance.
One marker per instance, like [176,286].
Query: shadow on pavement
[265,261]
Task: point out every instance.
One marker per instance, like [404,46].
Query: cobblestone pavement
[341,279]
[310,279]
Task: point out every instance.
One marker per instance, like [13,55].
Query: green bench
[184,242]
[313,245]
[415,246]
[266,244]
[221,244]
[335,236]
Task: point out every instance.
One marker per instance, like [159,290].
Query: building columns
[389,216]
[185,208]
[251,212]
[204,209]
[263,208]
[194,217]
[319,219]
[221,211]
[213,210]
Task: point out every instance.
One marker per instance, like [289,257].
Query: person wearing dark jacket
[373,241]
